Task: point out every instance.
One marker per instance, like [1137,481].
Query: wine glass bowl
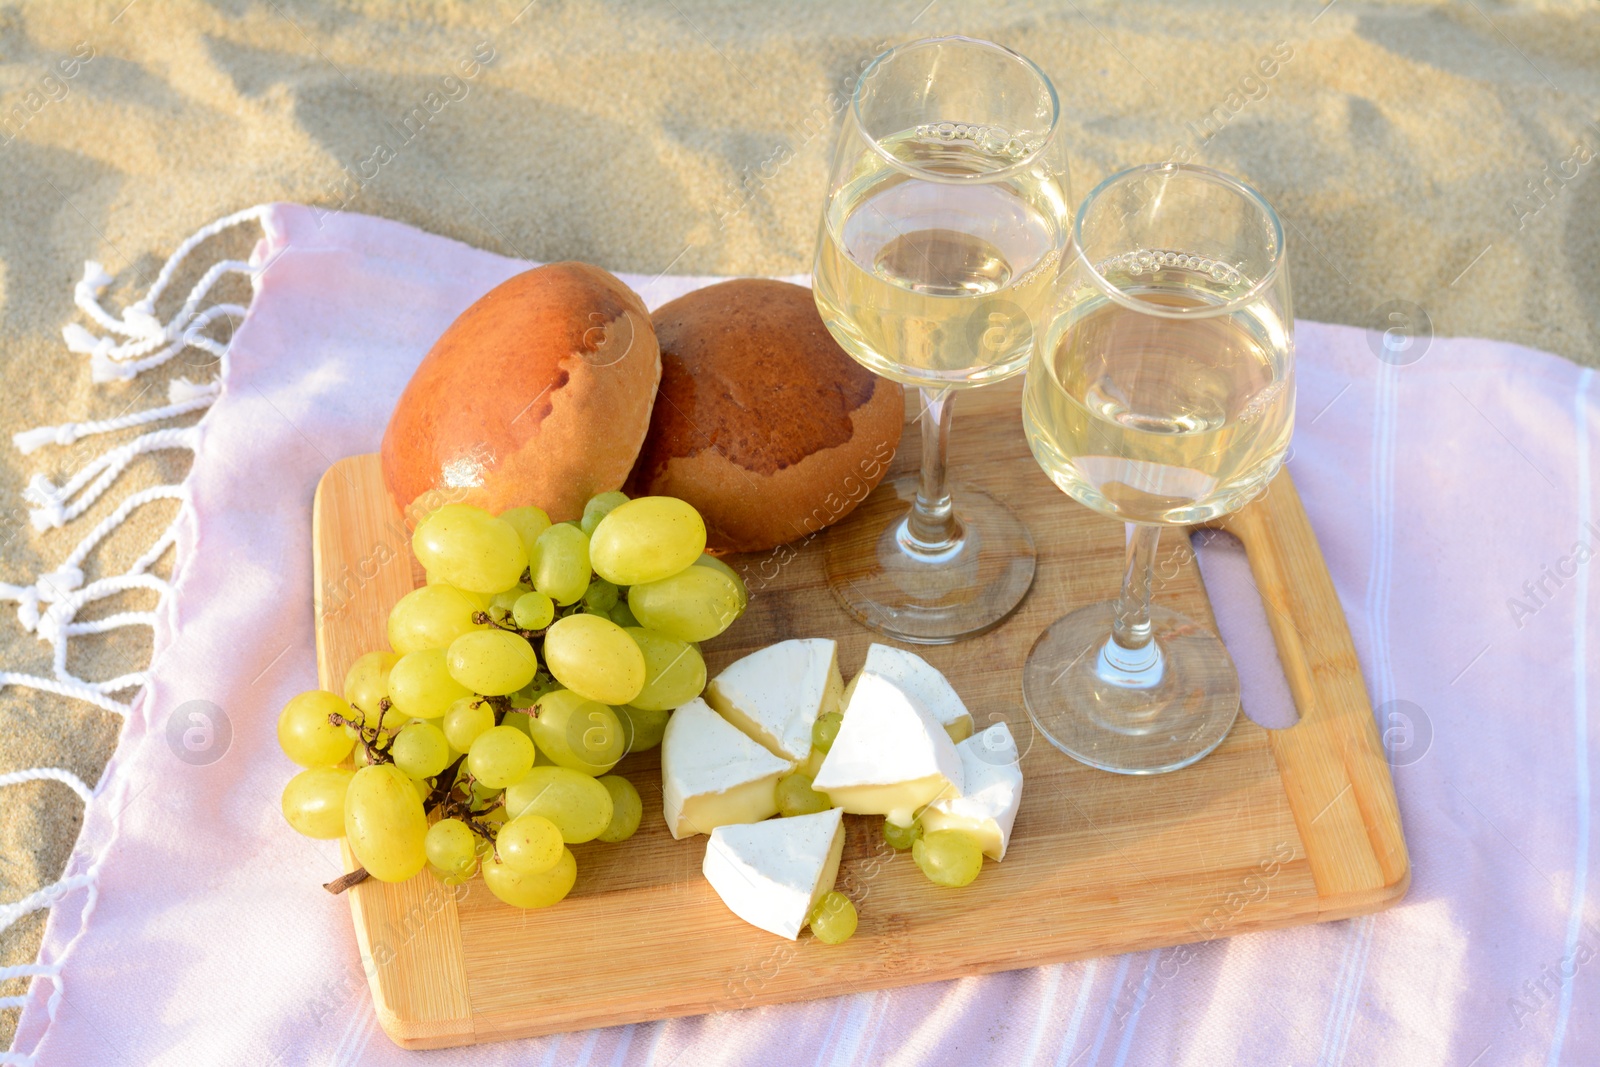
[940,238]
[1162,395]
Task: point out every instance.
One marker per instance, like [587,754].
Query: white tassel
[50,501]
[80,340]
[182,390]
[27,599]
[59,583]
[28,441]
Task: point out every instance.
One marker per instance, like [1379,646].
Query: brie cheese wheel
[771,874]
[712,775]
[891,757]
[775,694]
[991,792]
[923,682]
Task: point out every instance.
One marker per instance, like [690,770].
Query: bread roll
[762,422]
[540,393]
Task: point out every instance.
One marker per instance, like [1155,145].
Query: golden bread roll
[539,393]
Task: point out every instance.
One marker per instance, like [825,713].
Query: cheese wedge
[923,682]
[775,694]
[713,775]
[771,874]
[991,792]
[891,757]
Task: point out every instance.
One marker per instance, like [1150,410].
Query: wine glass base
[929,598]
[1072,699]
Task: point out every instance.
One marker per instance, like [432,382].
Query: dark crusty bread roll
[762,422]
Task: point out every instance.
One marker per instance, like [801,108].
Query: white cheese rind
[991,795]
[713,775]
[772,873]
[923,682]
[776,693]
[891,758]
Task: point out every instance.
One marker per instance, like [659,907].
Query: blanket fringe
[129,343]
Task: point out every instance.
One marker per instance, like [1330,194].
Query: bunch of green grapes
[536,657]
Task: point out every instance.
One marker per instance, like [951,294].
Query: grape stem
[483,618]
[345,881]
[443,784]
[499,705]
[372,740]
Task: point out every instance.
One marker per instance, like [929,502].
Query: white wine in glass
[941,235]
[929,283]
[1162,395]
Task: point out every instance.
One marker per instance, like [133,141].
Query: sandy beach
[1436,162]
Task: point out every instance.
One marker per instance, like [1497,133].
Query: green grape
[307,736]
[646,540]
[577,733]
[738,583]
[560,563]
[452,850]
[901,837]
[948,857]
[532,890]
[622,615]
[642,729]
[500,604]
[580,806]
[466,719]
[599,507]
[499,756]
[420,750]
[834,918]
[595,658]
[796,797]
[420,685]
[313,801]
[470,548]
[626,808]
[529,844]
[600,597]
[384,823]
[432,617]
[825,730]
[424,790]
[492,662]
[696,604]
[529,524]
[533,611]
[367,685]
[674,670]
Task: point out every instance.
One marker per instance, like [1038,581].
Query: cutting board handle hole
[1242,620]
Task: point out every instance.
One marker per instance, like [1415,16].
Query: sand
[1421,158]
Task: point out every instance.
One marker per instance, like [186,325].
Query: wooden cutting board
[1274,828]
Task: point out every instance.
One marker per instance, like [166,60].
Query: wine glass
[944,225]
[1163,395]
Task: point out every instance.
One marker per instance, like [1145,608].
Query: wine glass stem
[932,527]
[1131,656]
